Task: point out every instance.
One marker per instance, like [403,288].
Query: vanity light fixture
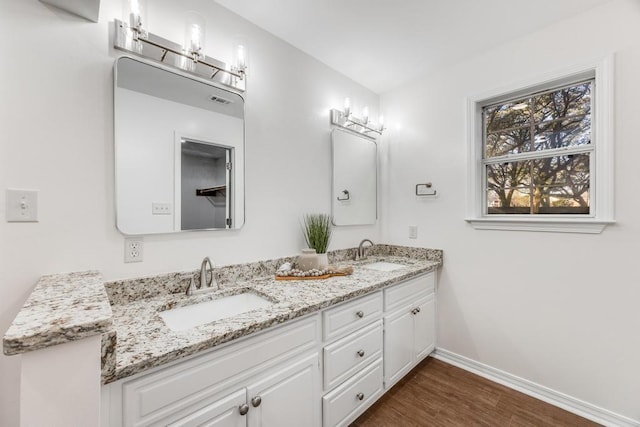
[132,36]
[344,118]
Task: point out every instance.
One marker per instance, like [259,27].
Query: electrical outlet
[158,208]
[133,249]
[413,231]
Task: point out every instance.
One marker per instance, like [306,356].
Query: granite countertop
[61,308]
[134,336]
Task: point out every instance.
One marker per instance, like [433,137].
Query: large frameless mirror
[179,151]
[355,165]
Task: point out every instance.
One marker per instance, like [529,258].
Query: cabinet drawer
[152,397]
[349,400]
[350,316]
[346,356]
[409,291]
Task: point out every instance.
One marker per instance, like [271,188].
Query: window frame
[602,197]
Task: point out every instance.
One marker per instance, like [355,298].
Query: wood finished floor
[438,394]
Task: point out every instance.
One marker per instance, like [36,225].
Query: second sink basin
[384,266]
[190,316]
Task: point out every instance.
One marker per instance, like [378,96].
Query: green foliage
[317,231]
[547,121]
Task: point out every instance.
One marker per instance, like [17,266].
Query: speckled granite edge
[108,358]
[62,308]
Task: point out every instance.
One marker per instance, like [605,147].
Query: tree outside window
[538,152]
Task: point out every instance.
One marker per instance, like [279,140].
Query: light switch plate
[413,231]
[22,205]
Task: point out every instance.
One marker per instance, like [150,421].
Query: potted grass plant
[317,233]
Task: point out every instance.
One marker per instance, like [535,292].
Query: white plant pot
[310,260]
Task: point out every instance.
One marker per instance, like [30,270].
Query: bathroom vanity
[319,354]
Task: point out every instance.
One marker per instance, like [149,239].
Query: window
[537,153]
[540,155]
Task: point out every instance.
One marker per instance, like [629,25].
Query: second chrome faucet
[362,251]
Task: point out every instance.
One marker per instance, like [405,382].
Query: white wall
[560,310]
[57,136]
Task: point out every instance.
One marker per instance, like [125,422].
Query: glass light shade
[365,114]
[194,35]
[347,107]
[134,13]
[241,56]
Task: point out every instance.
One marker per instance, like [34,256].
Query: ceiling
[382,44]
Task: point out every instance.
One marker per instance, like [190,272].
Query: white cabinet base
[409,326]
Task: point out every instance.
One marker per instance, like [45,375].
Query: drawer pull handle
[256,401]
[361,353]
[244,408]
[360,314]
[360,396]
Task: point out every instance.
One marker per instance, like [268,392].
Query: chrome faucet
[362,252]
[205,282]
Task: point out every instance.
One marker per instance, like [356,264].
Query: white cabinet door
[398,345]
[224,412]
[425,328]
[288,397]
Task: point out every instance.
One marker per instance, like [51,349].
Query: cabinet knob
[414,311]
[361,353]
[417,309]
[360,314]
[256,401]
[360,396]
[244,408]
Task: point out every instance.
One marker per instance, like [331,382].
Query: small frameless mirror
[354,194]
[179,151]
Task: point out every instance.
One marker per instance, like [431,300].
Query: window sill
[552,225]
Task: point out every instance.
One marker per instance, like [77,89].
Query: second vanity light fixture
[131,35]
[345,118]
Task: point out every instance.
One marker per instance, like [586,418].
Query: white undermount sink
[189,316]
[384,266]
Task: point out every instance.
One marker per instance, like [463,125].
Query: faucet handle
[191,288]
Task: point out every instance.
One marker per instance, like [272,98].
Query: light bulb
[194,36]
[347,107]
[381,120]
[240,60]
[365,114]
[135,13]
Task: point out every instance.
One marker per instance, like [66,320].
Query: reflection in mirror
[179,151]
[354,196]
[205,185]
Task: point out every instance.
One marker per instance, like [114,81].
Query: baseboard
[568,403]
